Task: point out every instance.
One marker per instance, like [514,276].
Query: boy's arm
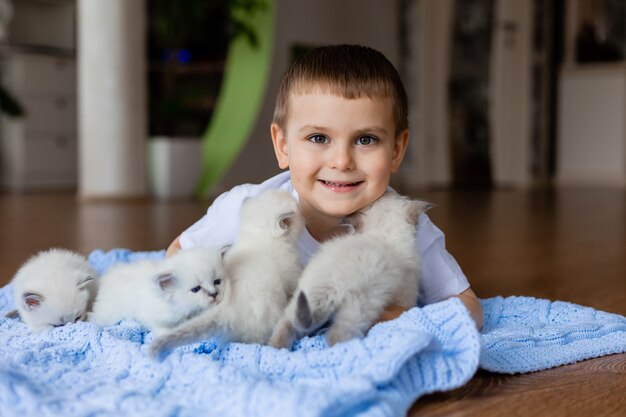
[467,297]
[173,248]
[473,305]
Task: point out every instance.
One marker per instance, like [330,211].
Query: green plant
[187,46]
[183,22]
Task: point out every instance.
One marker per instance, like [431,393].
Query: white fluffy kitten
[262,268]
[160,294]
[353,278]
[53,288]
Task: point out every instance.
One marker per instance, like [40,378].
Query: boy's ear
[280,146]
[400,146]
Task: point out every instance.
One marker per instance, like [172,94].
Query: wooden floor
[563,245]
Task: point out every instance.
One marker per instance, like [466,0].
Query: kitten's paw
[160,348]
[283,336]
[338,334]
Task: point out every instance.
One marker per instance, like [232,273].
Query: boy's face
[341,152]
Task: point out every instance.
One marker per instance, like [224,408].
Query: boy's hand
[468,297]
[173,248]
[473,305]
[389,313]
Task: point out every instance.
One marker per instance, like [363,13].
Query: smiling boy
[340,128]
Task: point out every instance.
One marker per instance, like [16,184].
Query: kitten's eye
[196,289]
[366,140]
[217,282]
[320,139]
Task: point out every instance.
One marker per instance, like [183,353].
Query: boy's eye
[366,140]
[318,139]
[196,289]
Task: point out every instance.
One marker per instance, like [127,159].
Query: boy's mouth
[340,186]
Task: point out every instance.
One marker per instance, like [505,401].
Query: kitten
[353,278]
[163,293]
[262,268]
[53,288]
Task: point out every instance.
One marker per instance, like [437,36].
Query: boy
[340,127]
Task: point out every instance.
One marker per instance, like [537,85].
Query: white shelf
[38,151]
[46,23]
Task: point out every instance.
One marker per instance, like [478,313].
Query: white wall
[591,134]
[510,83]
[311,22]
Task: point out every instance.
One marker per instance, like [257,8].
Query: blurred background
[173,99]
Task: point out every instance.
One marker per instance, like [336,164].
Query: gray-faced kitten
[53,288]
[262,268]
[353,278]
[163,293]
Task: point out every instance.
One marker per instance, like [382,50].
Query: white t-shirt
[441,275]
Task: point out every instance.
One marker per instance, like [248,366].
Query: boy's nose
[342,159]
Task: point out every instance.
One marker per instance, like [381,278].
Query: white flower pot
[175,166]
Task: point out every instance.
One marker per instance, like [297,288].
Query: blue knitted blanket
[83,369]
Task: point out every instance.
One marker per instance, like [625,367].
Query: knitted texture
[83,369]
[524,334]
[102,260]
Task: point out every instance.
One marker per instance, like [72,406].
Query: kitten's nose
[212,293]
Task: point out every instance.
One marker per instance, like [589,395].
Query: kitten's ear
[285,220]
[225,249]
[32,300]
[414,210]
[354,221]
[166,281]
[346,228]
[304,317]
[84,282]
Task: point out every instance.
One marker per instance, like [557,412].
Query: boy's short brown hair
[350,71]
